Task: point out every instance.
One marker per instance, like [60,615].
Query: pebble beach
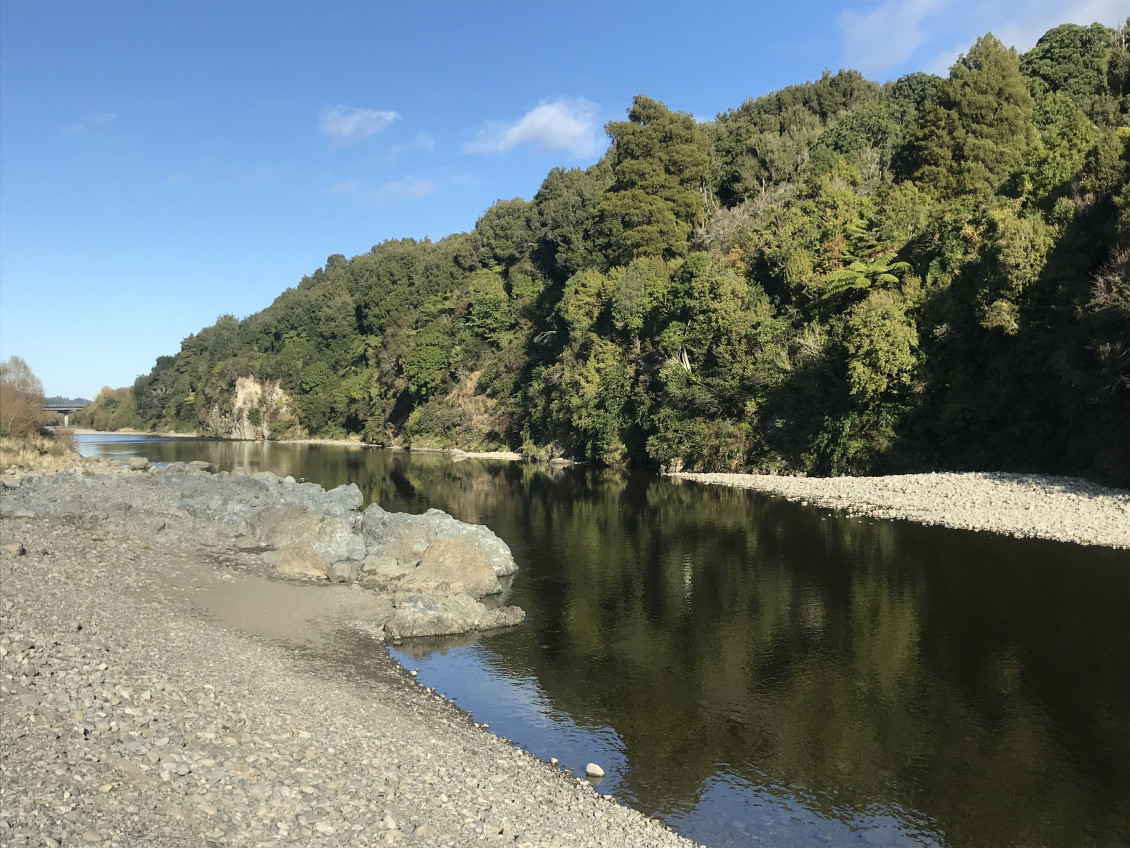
[1065,509]
[154,691]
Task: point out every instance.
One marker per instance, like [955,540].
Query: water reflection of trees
[975,679]
[979,680]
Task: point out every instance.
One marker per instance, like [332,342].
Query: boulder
[384,568]
[337,541]
[137,463]
[405,537]
[281,526]
[447,614]
[345,571]
[300,558]
[453,565]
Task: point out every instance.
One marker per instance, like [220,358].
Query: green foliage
[1075,61]
[1066,135]
[883,344]
[838,277]
[563,210]
[976,135]
[659,161]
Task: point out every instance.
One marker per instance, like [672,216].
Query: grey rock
[300,558]
[406,536]
[343,571]
[454,565]
[416,615]
[336,541]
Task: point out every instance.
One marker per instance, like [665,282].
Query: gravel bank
[146,700]
[1065,509]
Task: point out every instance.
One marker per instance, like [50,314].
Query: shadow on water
[757,672]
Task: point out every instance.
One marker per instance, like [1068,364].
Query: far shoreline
[456,453]
[1057,508]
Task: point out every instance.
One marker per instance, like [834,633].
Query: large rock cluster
[434,570]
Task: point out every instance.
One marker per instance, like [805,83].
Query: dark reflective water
[760,673]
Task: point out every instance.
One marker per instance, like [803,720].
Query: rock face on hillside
[433,569]
[258,410]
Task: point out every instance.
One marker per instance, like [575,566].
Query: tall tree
[659,162]
[977,134]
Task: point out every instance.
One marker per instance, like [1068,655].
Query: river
[755,672]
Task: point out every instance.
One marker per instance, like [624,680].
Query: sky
[166,163]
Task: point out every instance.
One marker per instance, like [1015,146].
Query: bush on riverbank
[53,451]
[112,410]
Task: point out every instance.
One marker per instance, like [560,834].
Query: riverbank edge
[1062,509]
[1056,508]
[456,453]
[111,583]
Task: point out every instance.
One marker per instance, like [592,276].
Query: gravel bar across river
[155,692]
[1066,509]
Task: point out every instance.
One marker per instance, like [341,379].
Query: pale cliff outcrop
[259,409]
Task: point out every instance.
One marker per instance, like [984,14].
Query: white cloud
[568,124]
[91,125]
[398,191]
[415,188]
[935,32]
[886,36]
[343,125]
[1033,18]
[421,141]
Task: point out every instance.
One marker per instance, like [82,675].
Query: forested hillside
[839,277]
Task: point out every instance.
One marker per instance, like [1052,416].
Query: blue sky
[164,163]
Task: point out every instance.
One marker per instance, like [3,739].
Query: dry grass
[54,452]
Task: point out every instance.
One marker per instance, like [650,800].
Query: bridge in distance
[65,406]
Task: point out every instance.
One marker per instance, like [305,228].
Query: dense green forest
[838,277]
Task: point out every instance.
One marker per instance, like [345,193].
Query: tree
[976,135]
[882,343]
[563,209]
[1072,59]
[21,399]
[504,234]
[659,163]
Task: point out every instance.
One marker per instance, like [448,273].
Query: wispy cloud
[404,190]
[421,141]
[343,125]
[886,36]
[938,31]
[1031,19]
[93,125]
[568,124]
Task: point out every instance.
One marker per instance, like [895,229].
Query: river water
[758,673]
